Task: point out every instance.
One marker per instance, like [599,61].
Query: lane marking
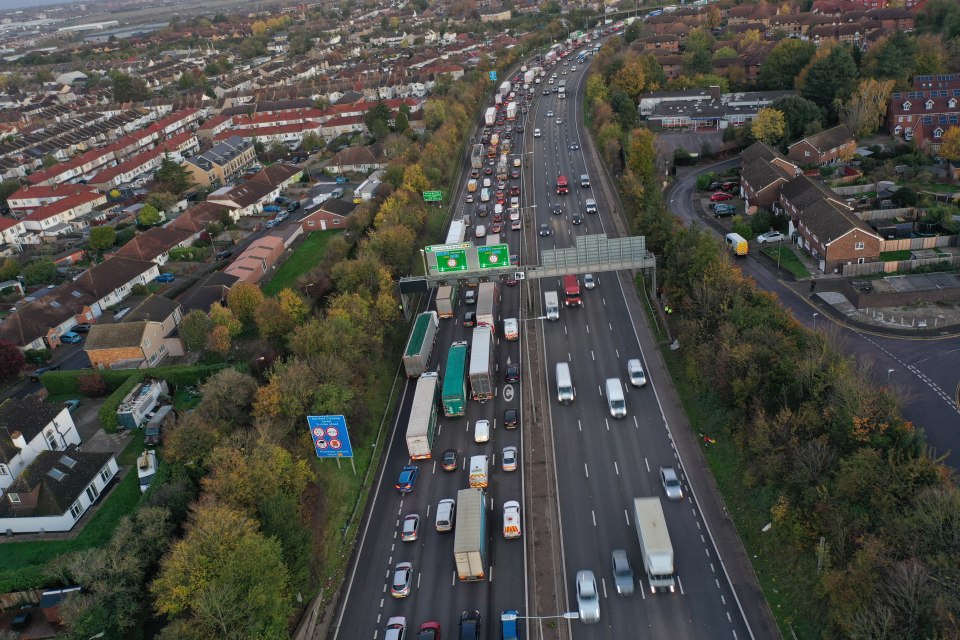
[593,514]
[586,471]
[616,468]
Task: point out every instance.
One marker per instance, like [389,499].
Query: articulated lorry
[446,300]
[454,394]
[422,426]
[655,546]
[420,345]
[481,363]
[470,537]
[476,156]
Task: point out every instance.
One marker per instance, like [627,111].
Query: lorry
[655,546]
[505,88]
[446,300]
[481,363]
[571,291]
[511,111]
[470,537]
[490,116]
[487,304]
[551,305]
[457,232]
[529,75]
[417,354]
[581,57]
[422,426]
[454,393]
[498,99]
[476,156]
[562,88]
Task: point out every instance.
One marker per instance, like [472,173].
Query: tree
[413,178]
[301,44]
[8,188]
[243,299]
[172,177]
[376,119]
[596,90]
[434,114]
[294,305]
[892,57]
[190,440]
[630,79]
[126,88]
[102,237]
[634,31]
[193,330]
[697,61]
[49,160]
[227,576]
[222,316]
[218,340]
[311,142]
[9,269]
[829,79]
[227,397]
[724,52]
[798,113]
[162,200]
[868,106]
[148,216]
[394,245]
[401,123]
[273,322]
[40,272]
[786,60]
[769,126]
[232,484]
[11,360]
[950,145]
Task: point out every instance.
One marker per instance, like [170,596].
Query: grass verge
[307,256]
[891,256]
[787,259]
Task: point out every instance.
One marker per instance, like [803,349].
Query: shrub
[92,385]
[108,410]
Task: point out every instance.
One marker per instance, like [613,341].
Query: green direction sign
[432,196]
[451,258]
[494,256]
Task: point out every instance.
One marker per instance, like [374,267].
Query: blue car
[271,208]
[509,629]
[71,338]
[407,479]
[341,180]
[165,277]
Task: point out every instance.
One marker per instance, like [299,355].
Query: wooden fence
[916,244]
[886,214]
[868,268]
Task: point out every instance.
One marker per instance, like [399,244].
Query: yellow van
[737,244]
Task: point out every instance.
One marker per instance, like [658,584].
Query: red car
[498,217]
[719,196]
[501,199]
[429,631]
[515,190]
[488,171]
[496,227]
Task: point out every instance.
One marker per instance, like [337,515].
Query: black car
[293,206]
[515,173]
[511,418]
[482,211]
[513,372]
[35,376]
[556,210]
[470,625]
[470,319]
[449,460]
[83,327]
[224,255]
[576,218]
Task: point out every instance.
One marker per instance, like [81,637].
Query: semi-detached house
[58,217]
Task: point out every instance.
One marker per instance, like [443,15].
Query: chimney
[18,440]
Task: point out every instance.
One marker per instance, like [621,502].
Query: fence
[916,244]
[868,268]
[886,214]
[854,189]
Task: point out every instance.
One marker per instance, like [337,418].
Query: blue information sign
[330,437]
[493,76]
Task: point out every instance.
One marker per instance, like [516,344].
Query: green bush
[704,180]
[108,410]
[68,382]
[38,356]
[191,254]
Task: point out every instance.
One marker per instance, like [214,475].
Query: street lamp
[568,615]
[815,321]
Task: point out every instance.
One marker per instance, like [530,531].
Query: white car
[536,133]
[481,431]
[559,120]
[635,372]
[549,114]
[396,628]
[509,458]
[511,519]
[588,281]
[515,202]
[771,236]
[588,599]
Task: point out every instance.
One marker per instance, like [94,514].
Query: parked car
[720,196]
[35,376]
[165,277]
[83,327]
[771,236]
[71,338]
[341,180]
[271,208]
[224,255]
[722,210]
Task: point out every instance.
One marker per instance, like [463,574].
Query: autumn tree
[787,58]
[232,484]
[11,360]
[273,322]
[219,340]
[9,269]
[190,440]
[829,78]
[102,237]
[193,330]
[148,216]
[225,577]
[162,200]
[226,398]
[434,114]
[769,126]
[865,111]
[242,300]
[394,245]
[891,57]
[798,114]
[413,178]
[596,90]
[630,79]
[294,305]
[222,316]
[40,272]
[950,145]
[92,385]
[311,142]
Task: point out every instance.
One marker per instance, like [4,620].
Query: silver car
[509,458]
[588,281]
[588,598]
[635,372]
[671,483]
[402,578]
[622,573]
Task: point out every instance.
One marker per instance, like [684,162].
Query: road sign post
[330,438]
[432,196]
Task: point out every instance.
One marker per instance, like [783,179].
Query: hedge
[108,410]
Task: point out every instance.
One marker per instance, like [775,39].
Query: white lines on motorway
[586,471]
[610,326]
[593,356]
[603,582]
[607,422]
[593,514]
[635,423]
[616,468]
[579,425]
[588,327]
[453,579]
[604,301]
[680,585]
[713,569]
[647,462]
[626,516]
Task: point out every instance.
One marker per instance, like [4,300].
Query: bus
[581,57]
[454,394]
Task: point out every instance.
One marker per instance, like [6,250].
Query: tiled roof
[828,221]
[154,242]
[75,469]
[829,139]
[28,417]
[150,307]
[208,291]
[115,335]
[65,204]
[110,275]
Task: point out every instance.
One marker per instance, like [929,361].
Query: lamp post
[815,321]
[568,615]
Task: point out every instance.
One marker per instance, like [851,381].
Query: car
[544,230]
[71,338]
[559,121]
[730,185]
[396,628]
[483,211]
[449,460]
[511,281]
[511,418]
[470,319]
[470,625]
[513,372]
[576,218]
[509,629]
[515,190]
[588,281]
[771,236]
[35,376]
[501,197]
[720,196]
[470,296]
[429,631]
[410,529]
[481,431]
[588,599]
[341,180]
[165,277]
[556,210]
[488,171]
[511,519]
[510,458]
[622,573]
[224,255]
[497,217]
[501,185]
[721,210]
[715,186]
[515,174]
[536,133]
[271,208]
[514,259]
[281,200]
[635,372]
[520,126]
[516,225]
[511,329]
[469,197]
[475,173]
[408,479]
[402,577]
[574,146]
[591,205]
[496,227]
[671,483]
[515,202]
[83,327]
[549,114]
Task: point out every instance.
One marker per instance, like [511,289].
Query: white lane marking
[636,424]
[579,425]
[626,516]
[616,468]
[586,471]
[453,578]
[593,356]
[717,582]
[491,573]
[593,514]
[428,510]
[610,326]
[588,328]
[418,579]
[617,351]
[434,467]
[647,462]
[607,422]
[729,619]
[603,581]
[680,584]
[722,599]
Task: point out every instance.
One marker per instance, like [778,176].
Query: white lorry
[655,546]
[551,305]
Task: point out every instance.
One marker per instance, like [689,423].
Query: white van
[511,329]
[479,477]
[565,393]
[480,231]
[481,431]
[446,510]
[615,399]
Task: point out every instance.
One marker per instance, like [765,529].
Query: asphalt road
[603,463]
[924,373]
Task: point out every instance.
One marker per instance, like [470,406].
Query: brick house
[126,345]
[925,114]
[763,171]
[155,244]
[331,215]
[257,259]
[827,147]
[221,162]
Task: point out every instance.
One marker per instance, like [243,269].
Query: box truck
[490,116]
[422,426]
[512,111]
[454,394]
[481,364]
[476,156]
[470,537]
[446,300]
[655,546]
[505,88]
[487,304]
[551,305]
[420,345]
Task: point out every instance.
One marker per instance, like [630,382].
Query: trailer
[481,364]
[420,345]
[529,75]
[476,156]
[470,538]
[454,393]
[446,300]
[422,426]
[490,116]
[512,111]
[457,232]
[487,304]
[505,88]
[655,545]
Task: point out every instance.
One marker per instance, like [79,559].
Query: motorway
[601,463]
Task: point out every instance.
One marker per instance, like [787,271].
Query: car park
[402,578]
[588,599]
[544,230]
[671,483]
[470,625]
[513,372]
[588,281]
[511,418]
[720,196]
[622,573]
[771,236]
[509,458]
[396,628]
[411,528]
[429,631]
[71,338]
[449,460]
[481,431]
[165,277]
[407,480]
[635,372]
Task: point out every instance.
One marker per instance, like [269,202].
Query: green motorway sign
[493,256]
[450,258]
[432,196]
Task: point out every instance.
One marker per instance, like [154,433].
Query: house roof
[829,221]
[154,242]
[275,175]
[245,194]
[150,307]
[759,167]
[208,291]
[116,335]
[829,139]
[110,275]
[801,192]
[196,218]
[372,154]
[28,417]
[35,319]
[338,207]
[66,204]
[76,469]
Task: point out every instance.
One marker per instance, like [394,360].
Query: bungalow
[246,199]
[331,215]
[155,244]
[357,160]
[29,427]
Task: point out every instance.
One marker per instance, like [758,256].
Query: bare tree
[813,459]
[909,593]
